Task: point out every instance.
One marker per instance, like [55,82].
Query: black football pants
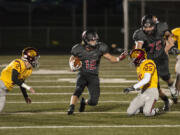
[92,82]
[163,68]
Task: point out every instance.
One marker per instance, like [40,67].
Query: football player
[176,50]
[89,51]
[16,73]
[156,39]
[148,83]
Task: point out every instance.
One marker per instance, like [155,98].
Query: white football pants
[3,92]
[147,100]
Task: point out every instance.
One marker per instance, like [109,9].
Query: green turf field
[54,85]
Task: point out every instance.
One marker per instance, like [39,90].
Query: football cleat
[82,105]
[175,97]
[156,111]
[71,109]
[167,105]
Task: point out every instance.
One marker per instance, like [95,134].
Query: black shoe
[71,110]
[175,97]
[175,100]
[82,105]
[167,105]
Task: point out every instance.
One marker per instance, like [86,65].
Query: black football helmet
[148,24]
[137,56]
[90,35]
[31,55]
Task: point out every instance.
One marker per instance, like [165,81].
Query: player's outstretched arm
[114,59]
[27,99]
[22,86]
[169,41]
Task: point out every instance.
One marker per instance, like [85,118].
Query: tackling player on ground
[155,38]
[176,50]
[89,51]
[148,83]
[16,73]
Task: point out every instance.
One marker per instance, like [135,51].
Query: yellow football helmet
[137,56]
[31,55]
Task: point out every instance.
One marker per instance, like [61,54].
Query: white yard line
[64,102]
[56,113]
[59,102]
[73,80]
[95,126]
[69,93]
[166,91]
[67,86]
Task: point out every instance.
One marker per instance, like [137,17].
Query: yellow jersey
[148,66]
[6,74]
[176,36]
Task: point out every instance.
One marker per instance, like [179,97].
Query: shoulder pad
[176,31]
[149,61]
[103,47]
[162,27]
[75,49]
[139,35]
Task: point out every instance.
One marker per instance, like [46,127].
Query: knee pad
[130,111]
[147,113]
[178,77]
[166,77]
[92,102]
[77,93]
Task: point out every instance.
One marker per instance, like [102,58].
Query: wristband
[118,59]
[25,86]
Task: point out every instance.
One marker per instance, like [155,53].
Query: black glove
[28,100]
[127,90]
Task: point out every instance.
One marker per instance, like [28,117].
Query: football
[74,63]
[77,62]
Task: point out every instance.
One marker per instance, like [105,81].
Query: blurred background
[54,26]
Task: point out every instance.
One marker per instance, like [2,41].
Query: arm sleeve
[15,78]
[145,80]
[138,36]
[23,90]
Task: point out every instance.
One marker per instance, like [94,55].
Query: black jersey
[90,59]
[153,44]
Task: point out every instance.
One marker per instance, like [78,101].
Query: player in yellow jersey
[16,73]
[148,83]
[176,50]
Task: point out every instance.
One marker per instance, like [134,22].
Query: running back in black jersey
[90,59]
[153,44]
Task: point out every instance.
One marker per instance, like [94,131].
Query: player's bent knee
[77,93]
[93,102]
[166,77]
[147,113]
[130,111]
[178,77]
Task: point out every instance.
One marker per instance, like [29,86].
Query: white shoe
[173,90]
[156,110]
[170,102]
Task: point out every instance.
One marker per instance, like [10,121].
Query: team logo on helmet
[137,56]
[31,55]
